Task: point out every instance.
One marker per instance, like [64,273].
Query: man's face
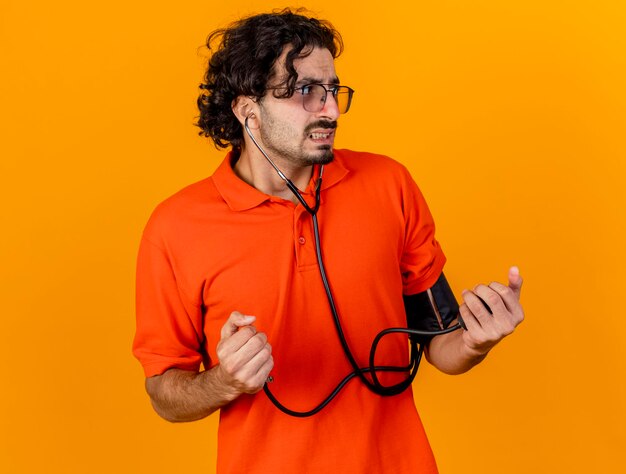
[292,134]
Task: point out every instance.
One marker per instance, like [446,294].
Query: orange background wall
[510,115]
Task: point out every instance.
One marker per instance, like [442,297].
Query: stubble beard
[275,141]
[327,155]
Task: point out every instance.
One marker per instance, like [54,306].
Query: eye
[306,90]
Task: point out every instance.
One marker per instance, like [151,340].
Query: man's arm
[245,361]
[459,351]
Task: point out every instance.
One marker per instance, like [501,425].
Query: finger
[261,376]
[252,347]
[254,365]
[471,323]
[235,342]
[476,306]
[492,299]
[234,322]
[511,301]
[265,370]
[235,352]
[509,297]
[515,281]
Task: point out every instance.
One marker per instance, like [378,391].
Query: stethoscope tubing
[374,385]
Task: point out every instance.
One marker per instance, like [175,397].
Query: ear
[246,107]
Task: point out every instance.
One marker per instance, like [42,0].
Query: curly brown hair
[242,63]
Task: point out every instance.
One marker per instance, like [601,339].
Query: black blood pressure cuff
[431,310]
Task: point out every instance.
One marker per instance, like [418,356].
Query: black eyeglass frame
[334,89]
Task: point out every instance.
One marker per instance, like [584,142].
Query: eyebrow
[312,80]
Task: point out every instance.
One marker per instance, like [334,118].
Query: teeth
[318,136]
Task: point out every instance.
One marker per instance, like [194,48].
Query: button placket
[303,238]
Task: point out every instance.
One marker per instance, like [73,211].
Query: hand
[244,354]
[485,330]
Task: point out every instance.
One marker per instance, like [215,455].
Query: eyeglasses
[314,96]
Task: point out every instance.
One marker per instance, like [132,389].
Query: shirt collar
[240,196]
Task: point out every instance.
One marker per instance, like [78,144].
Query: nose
[330,109]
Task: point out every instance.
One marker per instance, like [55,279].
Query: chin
[325,156]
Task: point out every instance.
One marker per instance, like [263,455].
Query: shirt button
[302,240]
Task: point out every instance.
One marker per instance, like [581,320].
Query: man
[229,275]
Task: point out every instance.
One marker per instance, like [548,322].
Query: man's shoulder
[189,197]
[363,162]
[182,208]
[366,159]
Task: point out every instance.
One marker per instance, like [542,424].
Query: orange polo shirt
[221,245]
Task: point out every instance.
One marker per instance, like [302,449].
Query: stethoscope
[374,384]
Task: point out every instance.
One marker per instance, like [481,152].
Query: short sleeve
[169,325]
[422,258]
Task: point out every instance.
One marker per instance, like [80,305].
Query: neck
[253,168]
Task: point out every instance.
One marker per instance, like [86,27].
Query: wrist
[475,352]
[225,384]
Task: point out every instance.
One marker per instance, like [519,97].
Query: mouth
[322,136]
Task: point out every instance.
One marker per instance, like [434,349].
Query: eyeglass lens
[314,97]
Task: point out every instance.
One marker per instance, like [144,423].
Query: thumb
[515,281]
[234,322]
